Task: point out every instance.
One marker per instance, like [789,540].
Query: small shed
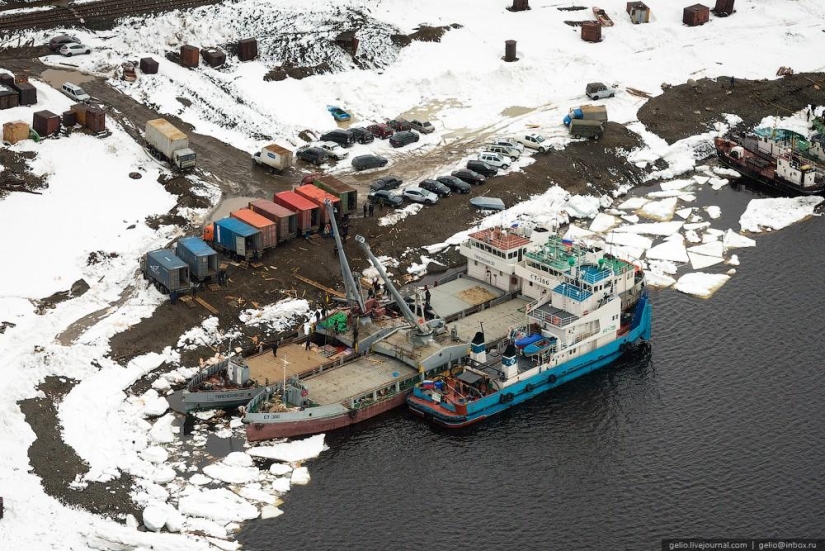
[247,49]
[7,79]
[723,8]
[214,57]
[45,123]
[200,257]
[15,131]
[695,15]
[148,66]
[268,228]
[307,212]
[189,56]
[332,185]
[318,196]
[79,110]
[8,97]
[95,119]
[591,31]
[285,219]
[27,91]
[639,12]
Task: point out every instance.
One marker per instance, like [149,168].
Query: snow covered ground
[461,84]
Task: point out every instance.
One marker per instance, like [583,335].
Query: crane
[353,292]
[421,331]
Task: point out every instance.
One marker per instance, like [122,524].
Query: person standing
[372,209]
[426,297]
[365,210]
[732,82]
[307,330]
[275,349]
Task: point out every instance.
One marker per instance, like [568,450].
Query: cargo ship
[778,168]
[588,309]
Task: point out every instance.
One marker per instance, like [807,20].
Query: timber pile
[638,93]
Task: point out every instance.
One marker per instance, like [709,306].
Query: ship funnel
[509,361]
[478,351]
[539,237]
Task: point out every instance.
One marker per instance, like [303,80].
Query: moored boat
[221,385]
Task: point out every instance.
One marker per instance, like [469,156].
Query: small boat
[539,346]
[527,340]
[601,15]
[222,385]
[487,203]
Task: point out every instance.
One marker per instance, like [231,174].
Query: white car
[75,92]
[508,142]
[71,49]
[335,151]
[494,159]
[419,195]
[534,141]
[504,150]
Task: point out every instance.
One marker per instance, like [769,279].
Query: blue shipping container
[167,270]
[200,257]
[238,237]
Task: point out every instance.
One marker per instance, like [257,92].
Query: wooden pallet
[319,286]
[206,305]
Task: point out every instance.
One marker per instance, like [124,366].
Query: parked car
[333,149]
[509,142]
[387,182]
[385,197]
[454,183]
[422,126]
[341,136]
[482,168]
[363,162]
[534,141]
[338,114]
[399,124]
[75,92]
[597,90]
[505,151]
[436,187]
[314,155]
[402,138]
[362,135]
[494,159]
[381,130]
[469,176]
[418,195]
[58,41]
[72,48]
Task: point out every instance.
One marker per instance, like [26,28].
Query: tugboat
[589,308]
[784,171]
[222,385]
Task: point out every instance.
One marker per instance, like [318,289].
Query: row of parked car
[68,45]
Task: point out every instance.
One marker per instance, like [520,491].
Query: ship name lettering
[609,329]
[484,260]
[271,416]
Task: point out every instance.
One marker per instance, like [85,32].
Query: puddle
[56,77]
[430,110]
[229,205]
[516,111]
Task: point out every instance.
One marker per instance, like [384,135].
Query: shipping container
[95,119]
[15,131]
[348,195]
[268,228]
[69,118]
[308,213]
[639,12]
[27,92]
[8,97]
[189,56]
[7,79]
[285,219]
[318,196]
[167,271]
[200,257]
[591,31]
[80,113]
[247,49]
[236,238]
[214,57]
[696,14]
[45,123]
[148,65]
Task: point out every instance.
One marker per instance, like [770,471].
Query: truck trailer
[236,238]
[166,271]
[168,143]
[200,257]
[274,157]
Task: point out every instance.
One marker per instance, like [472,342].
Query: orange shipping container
[317,196]
[268,228]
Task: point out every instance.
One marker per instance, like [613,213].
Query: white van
[494,159]
[75,92]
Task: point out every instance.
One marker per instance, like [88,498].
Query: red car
[382,131]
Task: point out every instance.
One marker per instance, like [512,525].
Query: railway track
[92,14]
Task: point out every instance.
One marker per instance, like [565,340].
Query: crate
[148,66]
[69,118]
[189,56]
[79,110]
[95,119]
[45,123]
[27,91]
[214,57]
[247,49]
[695,15]
[15,131]
[591,31]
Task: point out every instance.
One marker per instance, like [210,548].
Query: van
[75,92]
[341,136]
[504,151]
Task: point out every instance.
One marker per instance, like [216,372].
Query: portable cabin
[45,123]
[169,272]
[285,220]
[236,237]
[695,15]
[200,257]
[8,97]
[591,31]
[268,228]
[318,196]
[307,212]
[348,195]
[639,12]
[723,8]
[27,92]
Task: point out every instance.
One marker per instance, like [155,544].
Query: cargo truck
[585,128]
[235,238]
[274,157]
[166,271]
[170,144]
[200,257]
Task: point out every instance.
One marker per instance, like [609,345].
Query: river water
[718,433]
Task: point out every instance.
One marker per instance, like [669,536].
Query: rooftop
[501,239]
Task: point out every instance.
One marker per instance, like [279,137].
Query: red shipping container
[308,213]
[317,196]
[45,123]
[285,219]
[95,119]
[268,228]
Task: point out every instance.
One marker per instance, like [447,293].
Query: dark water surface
[719,433]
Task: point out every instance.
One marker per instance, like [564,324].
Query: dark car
[482,168]
[58,41]
[402,138]
[384,197]
[387,182]
[455,184]
[314,155]
[363,162]
[436,187]
[382,131]
[341,136]
[362,135]
[399,124]
[469,176]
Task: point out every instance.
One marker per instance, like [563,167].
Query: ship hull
[218,399]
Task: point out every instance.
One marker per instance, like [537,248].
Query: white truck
[534,141]
[274,157]
[167,142]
